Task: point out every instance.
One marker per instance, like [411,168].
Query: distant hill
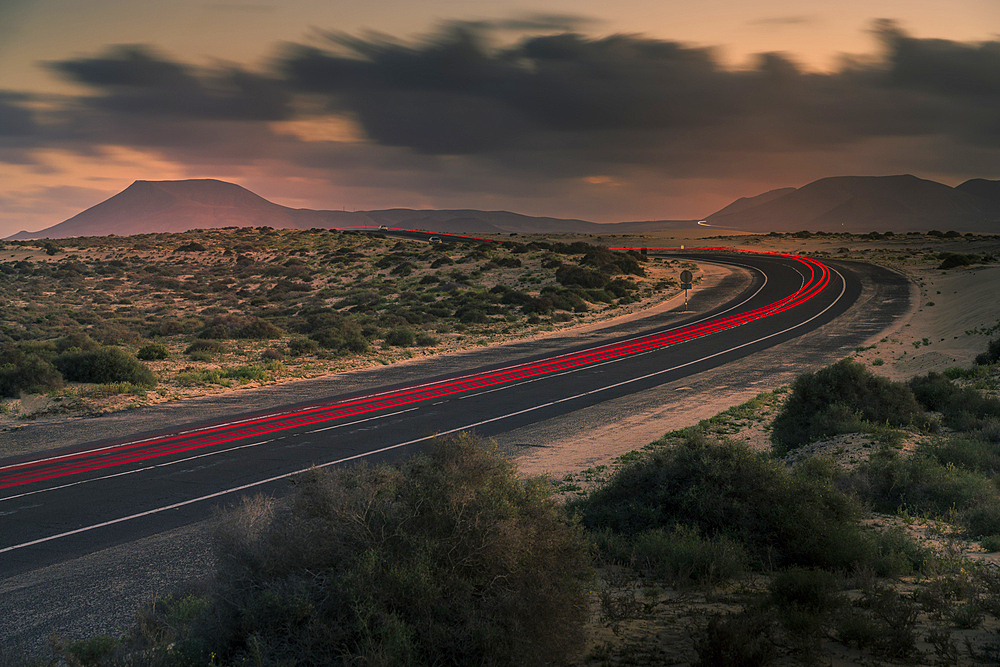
[982,188]
[842,203]
[869,203]
[176,206]
[743,203]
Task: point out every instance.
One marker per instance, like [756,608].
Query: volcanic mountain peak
[208,191]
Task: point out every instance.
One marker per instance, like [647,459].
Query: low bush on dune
[105,365]
[447,558]
[28,368]
[842,398]
[991,355]
[739,500]
[963,408]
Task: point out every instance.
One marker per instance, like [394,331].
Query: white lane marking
[190,458]
[363,397]
[276,478]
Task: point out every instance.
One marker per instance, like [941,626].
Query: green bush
[299,346]
[76,340]
[921,483]
[425,339]
[991,355]
[400,337]
[724,489]
[447,558]
[744,639]
[842,398]
[257,329]
[967,452]
[952,260]
[964,409]
[104,365]
[990,543]
[27,368]
[152,352]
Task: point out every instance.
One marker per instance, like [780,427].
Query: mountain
[982,188]
[869,203]
[176,206]
[743,203]
[841,203]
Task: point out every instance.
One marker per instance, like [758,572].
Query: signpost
[686,278]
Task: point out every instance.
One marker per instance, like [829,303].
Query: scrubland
[91,325]
[850,518]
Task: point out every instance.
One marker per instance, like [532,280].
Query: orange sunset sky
[631,110]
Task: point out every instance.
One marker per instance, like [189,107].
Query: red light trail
[816,277]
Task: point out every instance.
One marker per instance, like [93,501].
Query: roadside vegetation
[697,549]
[157,316]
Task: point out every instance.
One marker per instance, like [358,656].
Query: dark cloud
[463,113]
[589,98]
[135,80]
[15,120]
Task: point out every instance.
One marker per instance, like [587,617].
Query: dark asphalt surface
[64,585]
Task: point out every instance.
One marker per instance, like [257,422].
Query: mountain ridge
[838,203]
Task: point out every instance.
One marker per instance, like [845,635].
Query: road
[101,494]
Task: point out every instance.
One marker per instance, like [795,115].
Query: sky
[630,110]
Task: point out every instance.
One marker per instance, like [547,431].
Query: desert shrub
[234,326]
[447,558]
[921,483]
[964,409]
[204,349]
[990,543]
[257,329]
[425,339]
[582,276]
[400,337]
[724,489]
[78,340]
[744,639]
[28,369]
[680,555]
[983,518]
[883,621]
[272,354]
[114,332]
[840,399]
[991,355]
[610,262]
[299,346]
[952,260]
[333,331]
[472,316]
[967,452]
[152,352]
[104,365]
[898,554]
[345,338]
[807,588]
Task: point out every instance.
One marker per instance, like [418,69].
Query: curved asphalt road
[67,503]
